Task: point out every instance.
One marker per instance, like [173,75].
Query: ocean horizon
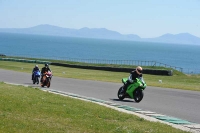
[178,55]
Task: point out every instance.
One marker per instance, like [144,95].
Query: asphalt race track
[171,102]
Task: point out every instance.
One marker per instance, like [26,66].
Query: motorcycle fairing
[131,88]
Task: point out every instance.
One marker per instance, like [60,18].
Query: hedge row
[145,71]
[24,60]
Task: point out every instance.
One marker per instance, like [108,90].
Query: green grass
[25,109]
[177,81]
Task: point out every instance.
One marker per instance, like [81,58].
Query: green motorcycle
[133,91]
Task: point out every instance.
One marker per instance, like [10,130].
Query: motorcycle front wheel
[138,95]
[120,94]
[37,80]
[48,83]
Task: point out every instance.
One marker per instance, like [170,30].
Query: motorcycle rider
[36,68]
[137,73]
[44,69]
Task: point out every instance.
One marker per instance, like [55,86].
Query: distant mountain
[182,38]
[83,32]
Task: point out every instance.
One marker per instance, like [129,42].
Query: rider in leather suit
[137,73]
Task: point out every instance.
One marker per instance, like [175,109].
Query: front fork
[122,90]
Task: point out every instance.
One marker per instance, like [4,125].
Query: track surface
[172,102]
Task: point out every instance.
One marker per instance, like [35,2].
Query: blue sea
[58,47]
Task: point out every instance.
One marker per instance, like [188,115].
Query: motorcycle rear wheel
[120,95]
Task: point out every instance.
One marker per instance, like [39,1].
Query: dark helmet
[46,65]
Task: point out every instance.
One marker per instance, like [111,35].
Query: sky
[146,18]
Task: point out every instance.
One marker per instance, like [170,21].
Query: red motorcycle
[46,79]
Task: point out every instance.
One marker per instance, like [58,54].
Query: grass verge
[32,110]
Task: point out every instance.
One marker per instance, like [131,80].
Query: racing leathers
[43,71]
[132,77]
[35,69]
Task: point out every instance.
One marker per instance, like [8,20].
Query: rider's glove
[131,81]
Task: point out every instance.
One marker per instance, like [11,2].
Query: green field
[29,110]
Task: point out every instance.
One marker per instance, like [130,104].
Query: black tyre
[37,80]
[48,83]
[120,94]
[138,95]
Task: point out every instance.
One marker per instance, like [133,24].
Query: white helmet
[139,70]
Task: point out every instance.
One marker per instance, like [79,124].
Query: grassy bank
[178,80]
[25,109]
[93,64]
